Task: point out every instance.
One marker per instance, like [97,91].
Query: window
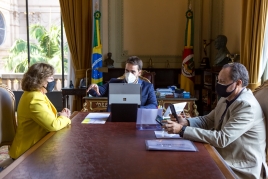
[2,29]
[44,37]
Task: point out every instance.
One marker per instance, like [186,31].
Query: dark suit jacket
[148,99]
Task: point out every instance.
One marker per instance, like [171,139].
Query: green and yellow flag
[187,69]
[96,77]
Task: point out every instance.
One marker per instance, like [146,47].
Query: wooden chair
[149,75]
[261,94]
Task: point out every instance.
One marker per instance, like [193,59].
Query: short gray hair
[238,72]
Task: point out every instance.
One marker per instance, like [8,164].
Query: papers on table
[171,144]
[164,134]
[178,107]
[96,118]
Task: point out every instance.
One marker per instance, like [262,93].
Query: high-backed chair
[149,75]
[261,94]
[7,116]
[8,123]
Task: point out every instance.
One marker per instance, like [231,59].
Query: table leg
[67,101]
[63,101]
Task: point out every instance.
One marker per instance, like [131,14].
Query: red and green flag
[187,69]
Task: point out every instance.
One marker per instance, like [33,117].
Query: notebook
[124,93]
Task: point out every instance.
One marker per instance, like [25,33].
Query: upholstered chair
[261,94]
[7,116]
[8,123]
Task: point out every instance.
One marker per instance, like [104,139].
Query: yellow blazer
[36,117]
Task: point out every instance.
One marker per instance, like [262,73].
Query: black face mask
[221,90]
[50,86]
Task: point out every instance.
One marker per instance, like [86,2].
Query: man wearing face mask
[236,127]
[133,70]
[36,115]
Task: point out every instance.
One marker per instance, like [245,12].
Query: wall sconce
[100,69]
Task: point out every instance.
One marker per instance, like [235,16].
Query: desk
[111,150]
[96,104]
[79,94]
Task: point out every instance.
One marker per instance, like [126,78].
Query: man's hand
[173,127]
[95,87]
[181,118]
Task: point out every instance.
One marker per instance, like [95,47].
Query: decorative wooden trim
[226,170]
[263,85]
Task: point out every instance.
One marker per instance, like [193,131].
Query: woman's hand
[65,112]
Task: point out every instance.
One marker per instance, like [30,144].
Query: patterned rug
[3,153]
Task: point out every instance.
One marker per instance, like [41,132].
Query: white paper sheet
[164,135]
[98,115]
[96,118]
[178,107]
[94,121]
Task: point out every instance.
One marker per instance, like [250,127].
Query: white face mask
[130,78]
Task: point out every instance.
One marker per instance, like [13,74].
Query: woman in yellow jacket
[36,115]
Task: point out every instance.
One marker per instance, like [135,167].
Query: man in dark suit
[133,70]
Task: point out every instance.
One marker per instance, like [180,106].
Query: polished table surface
[111,150]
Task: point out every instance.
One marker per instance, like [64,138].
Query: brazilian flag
[96,77]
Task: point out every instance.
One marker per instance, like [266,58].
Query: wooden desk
[78,93]
[96,104]
[112,150]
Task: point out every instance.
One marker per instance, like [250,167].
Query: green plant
[44,47]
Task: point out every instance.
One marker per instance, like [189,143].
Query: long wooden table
[111,150]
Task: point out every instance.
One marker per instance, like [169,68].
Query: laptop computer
[124,93]
[124,100]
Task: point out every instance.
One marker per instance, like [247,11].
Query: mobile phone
[173,112]
[160,120]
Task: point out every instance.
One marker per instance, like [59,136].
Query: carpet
[3,153]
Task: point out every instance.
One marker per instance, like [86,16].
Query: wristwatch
[182,130]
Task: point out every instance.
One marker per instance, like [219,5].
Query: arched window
[2,29]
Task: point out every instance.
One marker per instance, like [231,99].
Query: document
[96,118]
[165,135]
[178,107]
[171,144]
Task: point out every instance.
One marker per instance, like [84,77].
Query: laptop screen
[124,93]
